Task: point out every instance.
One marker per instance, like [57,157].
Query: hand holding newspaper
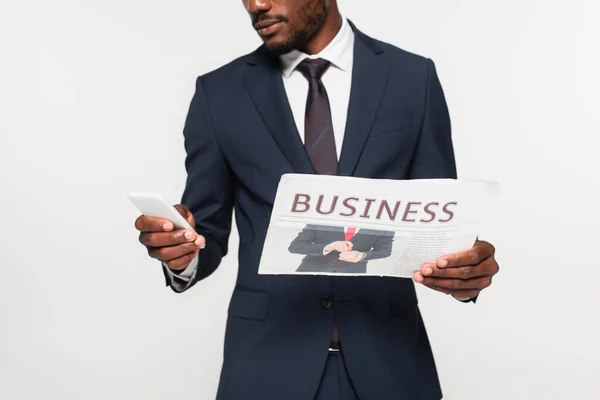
[332,225]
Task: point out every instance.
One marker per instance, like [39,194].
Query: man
[318,96]
[339,249]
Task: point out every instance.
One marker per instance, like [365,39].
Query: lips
[268,28]
[265,24]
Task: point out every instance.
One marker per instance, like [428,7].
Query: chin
[278,44]
[278,48]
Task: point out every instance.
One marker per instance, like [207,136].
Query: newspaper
[332,225]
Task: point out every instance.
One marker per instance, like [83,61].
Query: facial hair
[312,14]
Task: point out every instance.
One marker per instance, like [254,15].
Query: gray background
[93,98]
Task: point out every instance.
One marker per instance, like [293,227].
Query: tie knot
[313,69]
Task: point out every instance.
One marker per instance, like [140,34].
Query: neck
[331,26]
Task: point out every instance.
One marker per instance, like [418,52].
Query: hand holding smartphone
[175,247]
[155,206]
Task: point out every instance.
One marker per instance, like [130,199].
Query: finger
[468,272]
[172,252]
[418,277]
[427,268]
[181,263]
[150,224]
[185,212]
[165,239]
[459,284]
[472,256]
[461,294]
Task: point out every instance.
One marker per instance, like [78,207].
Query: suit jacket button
[326,302]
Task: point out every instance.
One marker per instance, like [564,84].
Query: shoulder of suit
[392,52]
[405,63]
[225,73]
[396,53]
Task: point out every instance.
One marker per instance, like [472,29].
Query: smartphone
[154,205]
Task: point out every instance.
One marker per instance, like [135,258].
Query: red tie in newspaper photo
[350,233]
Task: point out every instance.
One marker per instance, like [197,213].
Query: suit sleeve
[434,155]
[209,188]
[382,247]
[305,244]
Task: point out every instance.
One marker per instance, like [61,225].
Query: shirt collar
[338,52]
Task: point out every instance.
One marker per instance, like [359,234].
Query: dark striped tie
[318,129]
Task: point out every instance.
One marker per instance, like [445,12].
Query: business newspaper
[333,225]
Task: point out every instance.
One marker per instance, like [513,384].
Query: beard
[311,16]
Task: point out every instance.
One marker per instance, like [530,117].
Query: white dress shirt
[337,80]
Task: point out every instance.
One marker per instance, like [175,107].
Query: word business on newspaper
[395,211]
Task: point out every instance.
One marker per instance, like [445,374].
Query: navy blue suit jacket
[240,137]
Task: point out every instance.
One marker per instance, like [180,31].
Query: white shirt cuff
[187,275]
[462,299]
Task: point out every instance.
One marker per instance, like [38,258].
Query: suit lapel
[369,76]
[265,85]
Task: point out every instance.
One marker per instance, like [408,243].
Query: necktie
[318,128]
[350,233]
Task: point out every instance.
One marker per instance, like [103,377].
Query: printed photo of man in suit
[319,96]
[340,249]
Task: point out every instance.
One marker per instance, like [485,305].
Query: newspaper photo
[333,225]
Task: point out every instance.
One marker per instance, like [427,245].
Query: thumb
[185,213]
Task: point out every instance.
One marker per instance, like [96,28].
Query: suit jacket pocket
[403,297]
[395,123]
[248,303]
